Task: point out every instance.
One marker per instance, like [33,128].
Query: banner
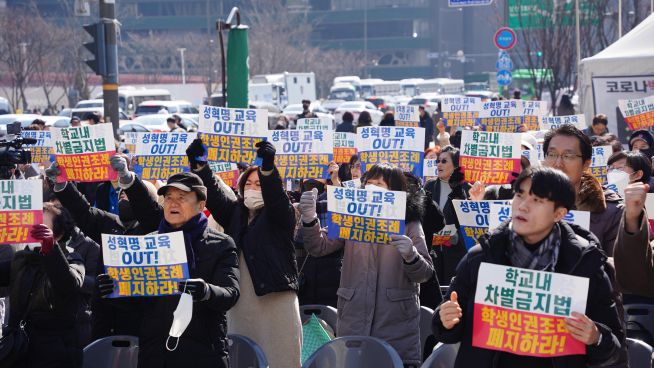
[490,157]
[130,141]
[162,155]
[230,134]
[402,147]
[502,212]
[638,113]
[553,122]
[21,207]
[369,216]
[354,183]
[43,150]
[228,172]
[501,116]
[430,167]
[83,153]
[446,237]
[473,218]
[532,112]
[460,111]
[344,147]
[598,165]
[149,265]
[522,311]
[407,116]
[302,154]
[313,124]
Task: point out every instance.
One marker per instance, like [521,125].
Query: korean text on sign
[446,237]
[228,172]
[473,219]
[638,113]
[83,152]
[344,147]
[314,124]
[368,216]
[398,146]
[599,162]
[149,265]
[502,116]
[21,207]
[522,311]
[302,154]
[161,155]
[502,212]
[407,116]
[460,111]
[490,157]
[230,134]
[430,167]
[553,122]
[532,112]
[43,150]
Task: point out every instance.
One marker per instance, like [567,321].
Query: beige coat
[378,294]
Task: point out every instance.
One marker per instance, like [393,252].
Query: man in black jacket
[537,239]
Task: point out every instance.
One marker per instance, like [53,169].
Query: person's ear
[638,175]
[586,164]
[201,205]
[559,213]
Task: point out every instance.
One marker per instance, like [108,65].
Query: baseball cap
[187,182]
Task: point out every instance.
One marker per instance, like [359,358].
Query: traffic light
[539,53]
[97,47]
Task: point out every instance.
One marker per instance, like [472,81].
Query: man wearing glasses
[569,150]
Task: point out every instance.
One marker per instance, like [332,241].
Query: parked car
[383,103]
[5,106]
[332,105]
[356,107]
[273,111]
[90,103]
[156,122]
[483,95]
[173,107]
[25,121]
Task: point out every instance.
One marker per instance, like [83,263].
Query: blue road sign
[504,62]
[504,77]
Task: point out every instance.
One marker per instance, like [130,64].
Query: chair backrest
[640,354]
[426,315]
[443,356]
[245,353]
[112,351]
[324,312]
[640,317]
[355,352]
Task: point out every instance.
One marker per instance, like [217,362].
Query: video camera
[11,151]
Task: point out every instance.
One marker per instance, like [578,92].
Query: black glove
[266,151]
[197,287]
[197,153]
[106,284]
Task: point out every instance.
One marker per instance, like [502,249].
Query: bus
[379,87]
[441,86]
[130,97]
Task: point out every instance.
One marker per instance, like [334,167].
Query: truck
[379,87]
[283,89]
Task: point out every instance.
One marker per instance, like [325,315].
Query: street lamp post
[181,52]
[578,32]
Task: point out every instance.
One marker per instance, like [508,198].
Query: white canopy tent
[623,70]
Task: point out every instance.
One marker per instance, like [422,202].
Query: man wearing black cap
[642,140]
[213,268]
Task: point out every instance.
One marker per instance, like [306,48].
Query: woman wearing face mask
[378,293]
[449,186]
[634,165]
[262,222]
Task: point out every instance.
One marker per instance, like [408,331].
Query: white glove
[307,206]
[404,245]
[119,165]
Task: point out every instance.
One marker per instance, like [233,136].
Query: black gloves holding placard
[266,151]
[197,154]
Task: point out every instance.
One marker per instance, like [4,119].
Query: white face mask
[181,319]
[374,187]
[253,199]
[617,176]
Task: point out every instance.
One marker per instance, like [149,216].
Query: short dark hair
[171,120]
[62,221]
[392,176]
[364,118]
[454,153]
[548,183]
[570,131]
[601,119]
[636,161]
[38,122]
[347,116]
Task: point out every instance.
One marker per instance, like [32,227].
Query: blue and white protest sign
[314,124]
[149,265]
[553,122]
[533,111]
[362,215]
[43,149]
[473,219]
[230,134]
[501,116]
[460,111]
[130,141]
[460,3]
[599,162]
[402,147]
[430,167]
[407,116]
[302,154]
[161,155]
[500,213]
[351,184]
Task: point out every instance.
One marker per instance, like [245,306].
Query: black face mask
[125,212]
[305,107]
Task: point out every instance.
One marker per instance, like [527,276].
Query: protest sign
[501,116]
[83,153]
[369,216]
[407,116]
[313,124]
[149,265]
[228,172]
[302,154]
[130,141]
[43,150]
[598,165]
[344,147]
[502,212]
[430,167]
[638,113]
[490,157]
[522,311]
[460,111]
[21,207]
[473,218]
[649,208]
[355,183]
[161,155]
[532,111]
[553,122]
[402,147]
[231,134]
[446,237]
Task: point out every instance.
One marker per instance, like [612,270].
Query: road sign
[460,3]
[505,38]
[504,77]
[504,62]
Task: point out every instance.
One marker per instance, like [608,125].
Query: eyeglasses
[443,161]
[566,157]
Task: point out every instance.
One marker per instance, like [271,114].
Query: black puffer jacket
[578,256]
[267,241]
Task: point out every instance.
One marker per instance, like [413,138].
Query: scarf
[193,230]
[542,259]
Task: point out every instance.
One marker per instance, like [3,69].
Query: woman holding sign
[377,279]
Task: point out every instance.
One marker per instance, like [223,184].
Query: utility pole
[181,52]
[110,79]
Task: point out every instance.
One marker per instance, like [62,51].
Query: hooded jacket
[378,293]
[578,256]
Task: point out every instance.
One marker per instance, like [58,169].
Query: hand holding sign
[634,198]
[196,287]
[450,312]
[197,154]
[582,328]
[477,191]
[51,173]
[43,234]
[404,245]
[106,285]
[266,151]
[119,165]
[307,206]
